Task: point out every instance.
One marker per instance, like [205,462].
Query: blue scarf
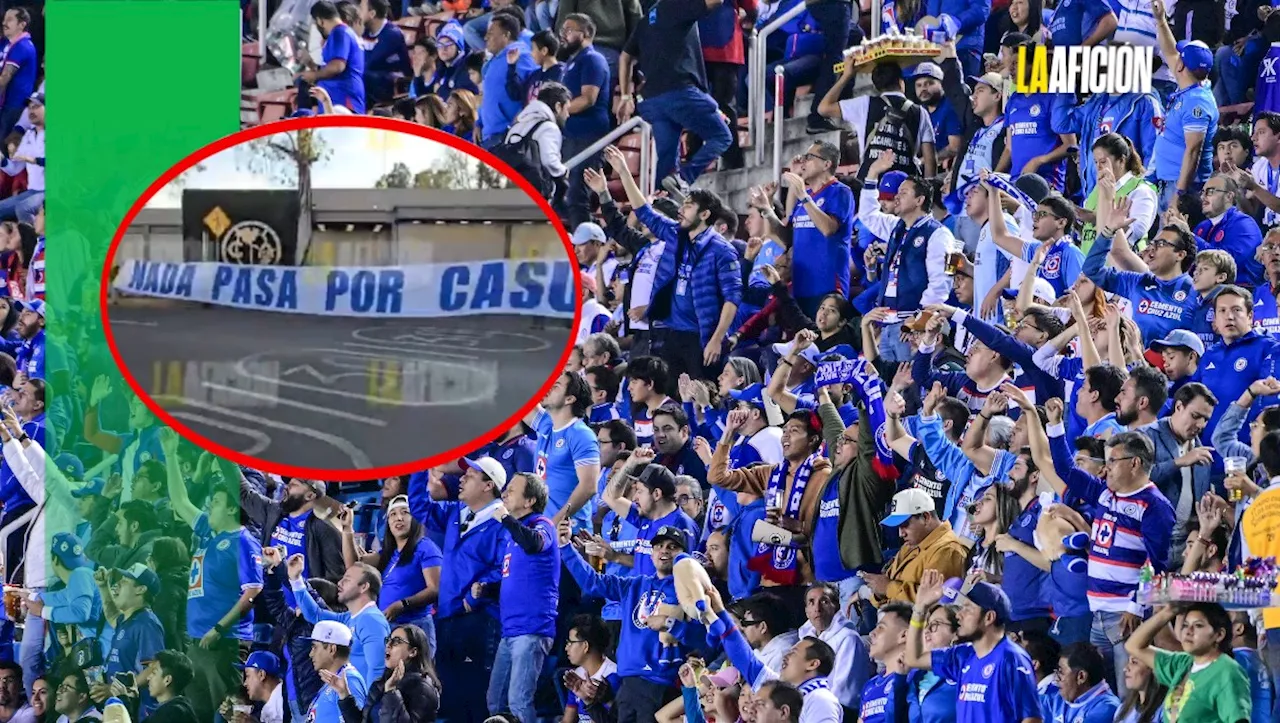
[778,563]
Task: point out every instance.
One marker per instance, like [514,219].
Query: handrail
[262,30]
[756,80]
[646,150]
[12,529]
[779,88]
[877,7]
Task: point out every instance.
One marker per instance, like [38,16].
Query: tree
[459,171]
[398,177]
[287,158]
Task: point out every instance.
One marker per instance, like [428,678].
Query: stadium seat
[276,105]
[250,62]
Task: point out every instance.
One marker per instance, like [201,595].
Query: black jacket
[415,700]
[178,710]
[324,541]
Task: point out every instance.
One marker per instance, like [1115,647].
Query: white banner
[533,288]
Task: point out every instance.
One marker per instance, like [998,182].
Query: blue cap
[1195,55]
[68,550]
[927,70]
[753,394]
[35,305]
[69,465]
[92,487]
[889,183]
[983,594]
[263,660]
[1180,338]
[144,576]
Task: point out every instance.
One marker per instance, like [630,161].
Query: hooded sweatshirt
[538,120]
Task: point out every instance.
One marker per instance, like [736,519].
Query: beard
[1127,416]
[291,504]
[968,637]
[568,51]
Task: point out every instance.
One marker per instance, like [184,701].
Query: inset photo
[340,298]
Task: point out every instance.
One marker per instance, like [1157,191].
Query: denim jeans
[834,19]
[22,206]
[541,16]
[1236,73]
[1271,654]
[473,32]
[892,348]
[685,109]
[1106,636]
[1074,629]
[31,650]
[514,681]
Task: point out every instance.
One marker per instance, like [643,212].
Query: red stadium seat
[276,105]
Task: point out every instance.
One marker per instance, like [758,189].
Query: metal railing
[756,67]
[779,88]
[262,29]
[646,151]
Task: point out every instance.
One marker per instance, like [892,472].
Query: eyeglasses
[814,156]
[396,640]
[571,641]
[1160,242]
[682,499]
[1212,191]
[842,440]
[936,625]
[748,623]
[1043,213]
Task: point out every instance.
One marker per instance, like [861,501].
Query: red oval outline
[335,121]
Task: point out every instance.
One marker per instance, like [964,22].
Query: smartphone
[284,552]
[94,675]
[128,680]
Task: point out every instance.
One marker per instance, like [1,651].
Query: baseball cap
[314,485]
[586,232]
[263,660]
[983,594]
[1014,39]
[1034,185]
[889,183]
[655,476]
[330,631]
[144,576]
[927,70]
[491,468]
[68,550]
[907,504]
[1040,289]
[69,465]
[37,98]
[752,394]
[992,80]
[34,305]
[1195,55]
[672,533]
[92,487]
[809,354]
[726,677]
[1182,338]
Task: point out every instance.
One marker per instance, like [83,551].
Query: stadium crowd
[924,410]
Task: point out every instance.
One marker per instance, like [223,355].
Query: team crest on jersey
[507,454]
[1241,364]
[1052,264]
[646,606]
[1198,112]
[1143,306]
[144,457]
[1158,122]
[919,241]
[988,669]
[506,564]
[1179,295]
[1104,127]
[1035,110]
[224,545]
[1209,317]
[559,443]
[1217,237]
[888,687]
[540,467]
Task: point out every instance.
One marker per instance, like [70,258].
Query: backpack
[525,156]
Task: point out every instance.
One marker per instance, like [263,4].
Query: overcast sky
[358,158]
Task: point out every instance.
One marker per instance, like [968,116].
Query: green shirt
[1217,693]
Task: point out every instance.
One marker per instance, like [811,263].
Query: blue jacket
[1228,370]
[1167,475]
[498,109]
[912,246]
[716,278]
[530,589]
[1096,705]
[1237,234]
[1047,385]
[1134,116]
[474,557]
[971,14]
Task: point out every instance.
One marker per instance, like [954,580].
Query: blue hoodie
[1096,705]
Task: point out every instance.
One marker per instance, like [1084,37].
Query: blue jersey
[1237,234]
[1191,110]
[223,566]
[1229,369]
[999,686]
[1096,705]
[1029,120]
[930,698]
[135,640]
[325,708]
[1063,263]
[560,453]
[291,532]
[530,590]
[1266,316]
[820,264]
[1074,20]
[347,89]
[21,55]
[1266,96]
[1259,683]
[1159,306]
[403,581]
[884,699]
[1024,581]
[620,535]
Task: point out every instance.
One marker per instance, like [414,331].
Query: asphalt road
[336,393]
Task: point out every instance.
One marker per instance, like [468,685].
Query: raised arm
[974,444]
[1139,643]
[179,500]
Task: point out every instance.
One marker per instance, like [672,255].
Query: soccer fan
[1183,153]
[331,654]
[262,681]
[568,456]
[340,72]
[358,591]
[595,680]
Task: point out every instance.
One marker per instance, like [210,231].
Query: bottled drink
[1234,466]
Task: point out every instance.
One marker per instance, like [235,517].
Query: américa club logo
[1080,69]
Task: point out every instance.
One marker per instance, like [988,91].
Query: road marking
[407,353]
[298,405]
[322,378]
[358,458]
[127,322]
[261,439]
[430,335]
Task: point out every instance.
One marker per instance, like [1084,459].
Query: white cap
[491,468]
[331,632]
[586,232]
[907,504]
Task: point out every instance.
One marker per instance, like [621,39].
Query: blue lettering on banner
[543,288]
[381,292]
